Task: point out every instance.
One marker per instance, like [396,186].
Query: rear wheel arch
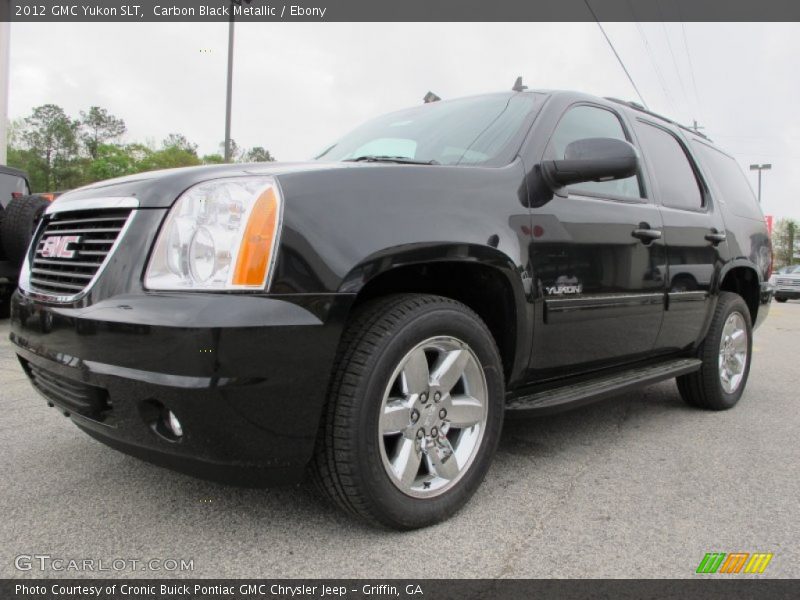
[743,279]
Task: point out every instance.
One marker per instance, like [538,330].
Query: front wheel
[414,413]
[726,354]
[778,299]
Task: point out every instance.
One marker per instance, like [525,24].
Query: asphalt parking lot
[636,486]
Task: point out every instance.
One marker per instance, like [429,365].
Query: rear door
[694,232]
[595,257]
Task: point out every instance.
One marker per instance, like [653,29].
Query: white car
[786,282]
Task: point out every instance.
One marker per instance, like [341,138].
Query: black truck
[369,317]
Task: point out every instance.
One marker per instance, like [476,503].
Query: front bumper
[245,375]
[790,293]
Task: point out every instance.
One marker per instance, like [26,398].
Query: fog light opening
[162,421]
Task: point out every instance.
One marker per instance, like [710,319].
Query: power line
[614,50]
[691,67]
[651,57]
[675,63]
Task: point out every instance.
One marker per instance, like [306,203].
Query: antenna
[696,127]
[430,97]
[518,87]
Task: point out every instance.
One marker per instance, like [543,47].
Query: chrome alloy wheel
[433,417]
[733,352]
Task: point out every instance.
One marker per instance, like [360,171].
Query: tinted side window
[674,175]
[584,122]
[729,181]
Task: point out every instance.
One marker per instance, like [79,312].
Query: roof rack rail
[640,108]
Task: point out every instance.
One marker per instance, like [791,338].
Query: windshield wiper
[393,159]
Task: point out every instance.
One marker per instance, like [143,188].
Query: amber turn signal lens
[258,241]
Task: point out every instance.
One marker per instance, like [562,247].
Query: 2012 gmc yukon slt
[371,315]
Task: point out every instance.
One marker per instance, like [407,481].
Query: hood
[156,189]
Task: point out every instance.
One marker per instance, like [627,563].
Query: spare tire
[19,222]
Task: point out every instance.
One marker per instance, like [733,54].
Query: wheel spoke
[442,460]
[739,339]
[396,417]
[450,369]
[406,463]
[438,386]
[464,411]
[415,374]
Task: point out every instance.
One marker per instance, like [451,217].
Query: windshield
[468,131]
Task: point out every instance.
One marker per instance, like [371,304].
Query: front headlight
[219,235]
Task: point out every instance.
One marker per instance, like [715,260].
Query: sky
[300,86]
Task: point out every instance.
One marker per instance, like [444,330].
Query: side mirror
[591,159]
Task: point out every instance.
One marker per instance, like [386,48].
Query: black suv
[369,316]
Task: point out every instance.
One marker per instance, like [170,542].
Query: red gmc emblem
[57,246]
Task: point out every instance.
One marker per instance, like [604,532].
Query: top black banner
[398,10]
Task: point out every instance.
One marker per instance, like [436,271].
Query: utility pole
[5,65]
[229,93]
[760,168]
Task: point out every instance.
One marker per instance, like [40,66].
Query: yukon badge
[57,246]
[564,285]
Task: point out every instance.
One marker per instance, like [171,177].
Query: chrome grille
[787,282]
[72,247]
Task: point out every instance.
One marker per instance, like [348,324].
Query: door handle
[646,235]
[715,237]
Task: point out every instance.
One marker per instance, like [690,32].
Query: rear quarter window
[11,184]
[728,180]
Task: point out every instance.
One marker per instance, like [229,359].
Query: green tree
[32,164]
[99,127]
[168,158]
[179,141]
[213,159]
[785,240]
[51,138]
[235,150]
[257,154]
[113,161]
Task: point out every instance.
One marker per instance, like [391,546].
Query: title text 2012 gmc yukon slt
[370,316]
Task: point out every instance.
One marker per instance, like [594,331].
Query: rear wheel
[414,414]
[726,354]
[781,299]
[19,222]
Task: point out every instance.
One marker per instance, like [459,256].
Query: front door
[595,258]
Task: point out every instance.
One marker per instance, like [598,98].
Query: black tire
[781,299]
[703,388]
[20,220]
[347,465]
